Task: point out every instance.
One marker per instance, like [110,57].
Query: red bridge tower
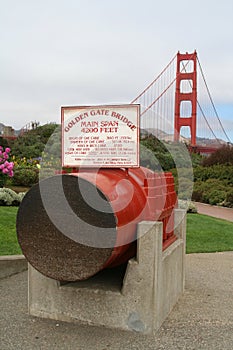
[180,95]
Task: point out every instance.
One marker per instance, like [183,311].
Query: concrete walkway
[202,319]
[215,211]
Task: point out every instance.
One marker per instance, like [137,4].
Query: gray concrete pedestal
[137,299]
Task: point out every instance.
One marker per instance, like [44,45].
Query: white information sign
[100,136]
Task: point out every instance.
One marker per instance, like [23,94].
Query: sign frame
[114,125]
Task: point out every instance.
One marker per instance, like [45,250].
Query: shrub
[32,143]
[216,196]
[190,207]
[160,154]
[20,196]
[229,199]
[5,198]
[46,172]
[9,197]
[197,196]
[220,172]
[185,188]
[223,155]
[25,176]
[212,191]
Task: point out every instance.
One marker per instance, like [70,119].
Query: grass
[204,234]
[8,240]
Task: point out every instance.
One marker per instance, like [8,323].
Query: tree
[32,143]
[4,142]
[223,155]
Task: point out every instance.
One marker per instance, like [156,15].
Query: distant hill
[210,142]
[163,136]
[17,132]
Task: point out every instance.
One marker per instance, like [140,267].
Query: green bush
[229,199]
[223,155]
[9,197]
[197,195]
[148,159]
[185,188]
[190,207]
[32,143]
[216,197]
[212,191]
[161,157]
[25,176]
[214,185]
[220,172]
[46,172]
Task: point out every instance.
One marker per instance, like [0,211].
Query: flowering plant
[6,167]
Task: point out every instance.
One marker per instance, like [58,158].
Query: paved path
[217,212]
[202,318]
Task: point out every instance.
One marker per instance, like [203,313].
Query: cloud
[57,53]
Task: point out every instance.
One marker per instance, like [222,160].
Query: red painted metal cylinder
[71,226]
[125,192]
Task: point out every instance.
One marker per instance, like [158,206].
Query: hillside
[163,136]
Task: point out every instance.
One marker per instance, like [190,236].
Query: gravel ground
[202,318]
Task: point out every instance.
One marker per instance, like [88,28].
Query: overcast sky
[70,52]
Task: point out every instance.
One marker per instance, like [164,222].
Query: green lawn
[8,241]
[204,234]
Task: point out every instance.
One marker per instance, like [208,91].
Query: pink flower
[5,171]
[6,168]
[10,166]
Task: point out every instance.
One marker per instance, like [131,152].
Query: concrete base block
[12,264]
[137,298]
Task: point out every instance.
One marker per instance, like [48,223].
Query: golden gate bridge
[177,106]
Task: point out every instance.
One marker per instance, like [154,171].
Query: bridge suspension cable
[199,105]
[212,103]
[158,105]
[155,80]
